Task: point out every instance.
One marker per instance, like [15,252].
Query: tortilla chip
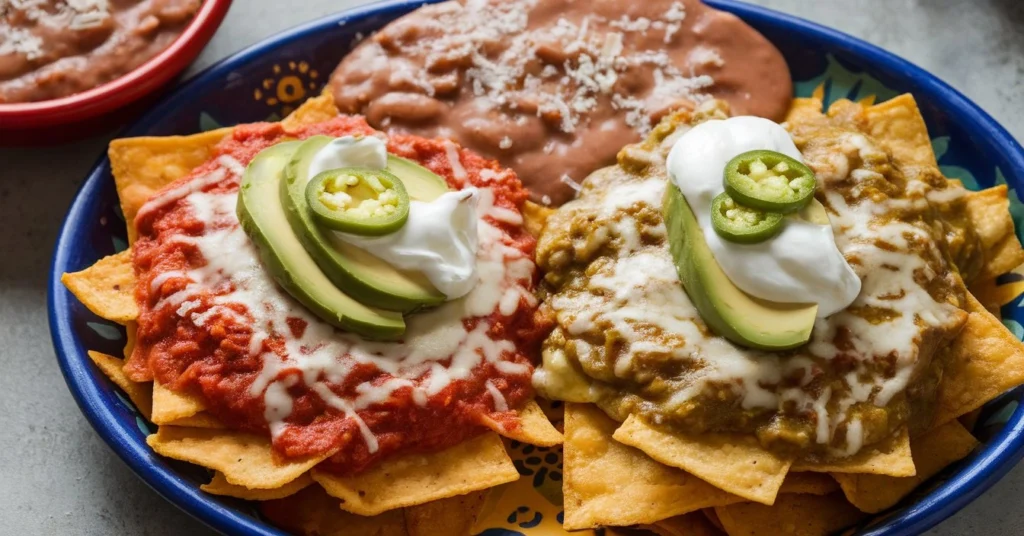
[454,515]
[131,329]
[969,420]
[735,463]
[608,483]
[143,165]
[792,515]
[692,524]
[898,125]
[891,457]
[107,288]
[804,109]
[141,394]
[412,479]
[713,518]
[170,406]
[1004,257]
[314,110]
[534,427]
[932,452]
[535,217]
[220,486]
[809,483]
[989,212]
[986,360]
[245,459]
[199,420]
[312,512]
[993,295]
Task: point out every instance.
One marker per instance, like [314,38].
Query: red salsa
[194,338]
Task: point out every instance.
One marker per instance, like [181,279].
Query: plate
[266,81]
[82,114]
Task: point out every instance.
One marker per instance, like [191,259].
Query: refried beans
[554,88]
[55,48]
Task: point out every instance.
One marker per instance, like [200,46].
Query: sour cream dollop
[440,237]
[802,263]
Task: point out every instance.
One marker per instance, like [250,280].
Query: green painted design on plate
[105,330]
[842,83]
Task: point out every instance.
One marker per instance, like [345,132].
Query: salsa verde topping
[630,339]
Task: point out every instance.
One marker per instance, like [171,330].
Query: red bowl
[102,107]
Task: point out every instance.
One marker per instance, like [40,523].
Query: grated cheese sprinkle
[580,61]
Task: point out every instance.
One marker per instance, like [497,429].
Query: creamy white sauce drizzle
[324,356]
[802,263]
[440,237]
[350,151]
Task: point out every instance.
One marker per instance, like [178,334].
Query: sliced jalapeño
[770,181]
[745,225]
[362,201]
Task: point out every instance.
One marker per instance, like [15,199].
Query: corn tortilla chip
[312,512]
[141,394]
[692,524]
[735,463]
[608,483]
[314,110]
[534,427]
[535,217]
[898,125]
[969,420]
[713,518]
[220,486]
[170,406]
[993,295]
[792,515]
[454,515]
[986,361]
[107,288]
[199,420]
[805,108]
[130,330]
[1004,257]
[141,166]
[413,479]
[245,459]
[989,212]
[809,483]
[932,452]
[891,457]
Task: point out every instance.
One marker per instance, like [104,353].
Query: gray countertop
[57,476]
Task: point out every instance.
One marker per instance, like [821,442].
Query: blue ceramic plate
[267,80]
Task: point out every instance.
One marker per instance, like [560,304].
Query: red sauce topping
[214,361]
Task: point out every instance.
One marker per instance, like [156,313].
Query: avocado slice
[727,310]
[364,276]
[263,219]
